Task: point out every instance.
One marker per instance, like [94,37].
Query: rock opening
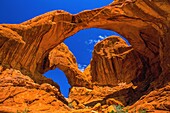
[82,44]
[60,78]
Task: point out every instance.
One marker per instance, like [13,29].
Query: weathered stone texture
[19,93]
[114,62]
[32,47]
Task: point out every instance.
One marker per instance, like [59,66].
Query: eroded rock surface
[98,94]
[157,101]
[19,93]
[62,58]
[146,28]
[115,62]
[27,46]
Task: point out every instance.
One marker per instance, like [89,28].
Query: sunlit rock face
[61,57]
[114,62]
[19,93]
[146,28]
[144,23]
[26,46]
[101,94]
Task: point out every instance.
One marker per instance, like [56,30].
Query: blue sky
[81,44]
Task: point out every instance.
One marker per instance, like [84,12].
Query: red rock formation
[136,22]
[98,94]
[62,58]
[145,23]
[157,101]
[114,62]
[19,93]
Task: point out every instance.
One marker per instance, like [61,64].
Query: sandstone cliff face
[31,47]
[114,62]
[113,68]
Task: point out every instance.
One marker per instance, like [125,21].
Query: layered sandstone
[89,97]
[31,47]
[114,62]
[113,68]
[62,58]
[157,101]
[19,93]
[146,28]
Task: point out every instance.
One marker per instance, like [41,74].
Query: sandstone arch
[25,46]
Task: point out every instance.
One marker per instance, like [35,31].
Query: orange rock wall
[19,92]
[144,23]
[114,62]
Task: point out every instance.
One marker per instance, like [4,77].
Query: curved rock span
[62,58]
[35,46]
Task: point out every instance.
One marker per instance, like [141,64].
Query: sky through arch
[81,44]
[59,77]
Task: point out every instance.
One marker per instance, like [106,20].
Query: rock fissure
[11,96]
